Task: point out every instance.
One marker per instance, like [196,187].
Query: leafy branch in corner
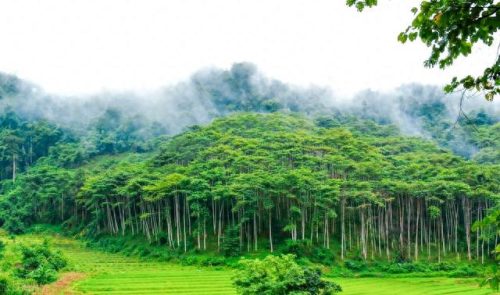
[451,28]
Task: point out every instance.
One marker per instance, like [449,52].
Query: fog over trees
[233,161]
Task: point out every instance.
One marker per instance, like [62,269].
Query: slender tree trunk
[442,236]
[416,231]
[198,231]
[363,237]
[255,231]
[184,224]
[466,208]
[437,241]
[342,228]
[270,233]
[204,234]
[303,223]
[177,221]
[401,223]
[14,168]
[408,228]
[387,230]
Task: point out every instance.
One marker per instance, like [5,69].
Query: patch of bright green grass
[410,286]
[109,273]
[118,274]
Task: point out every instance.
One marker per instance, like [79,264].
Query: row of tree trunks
[409,225]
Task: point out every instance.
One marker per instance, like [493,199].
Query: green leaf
[402,37]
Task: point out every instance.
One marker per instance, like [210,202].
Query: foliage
[355,265]
[278,182]
[280,275]
[451,29]
[463,272]
[305,249]
[231,244]
[40,263]
[2,248]
[300,248]
[8,287]
[339,187]
[493,279]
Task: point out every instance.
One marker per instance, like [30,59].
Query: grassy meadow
[109,273]
[410,286]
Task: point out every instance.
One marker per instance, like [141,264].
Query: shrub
[443,266]
[8,287]
[323,255]
[231,243]
[396,268]
[400,256]
[4,285]
[189,260]
[162,239]
[299,248]
[355,265]
[43,274]
[14,224]
[305,249]
[213,261]
[463,272]
[492,279]
[2,249]
[399,268]
[280,275]
[40,263]
[144,252]
[315,285]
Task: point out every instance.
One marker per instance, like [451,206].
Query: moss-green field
[118,274]
[107,273]
[410,286]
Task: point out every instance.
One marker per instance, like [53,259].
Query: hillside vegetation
[232,165]
[117,122]
[253,181]
[95,272]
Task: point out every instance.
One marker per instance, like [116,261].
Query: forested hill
[115,122]
[255,181]
[182,166]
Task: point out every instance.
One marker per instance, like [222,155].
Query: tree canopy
[451,28]
[248,182]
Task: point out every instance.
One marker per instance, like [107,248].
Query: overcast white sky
[79,47]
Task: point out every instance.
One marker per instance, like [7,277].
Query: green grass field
[108,273]
[118,274]
[410,286]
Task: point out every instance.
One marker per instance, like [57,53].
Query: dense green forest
[132,172]
[233,164]
[349,180]
[264,179]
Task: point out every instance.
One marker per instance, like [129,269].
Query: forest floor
[97,272]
